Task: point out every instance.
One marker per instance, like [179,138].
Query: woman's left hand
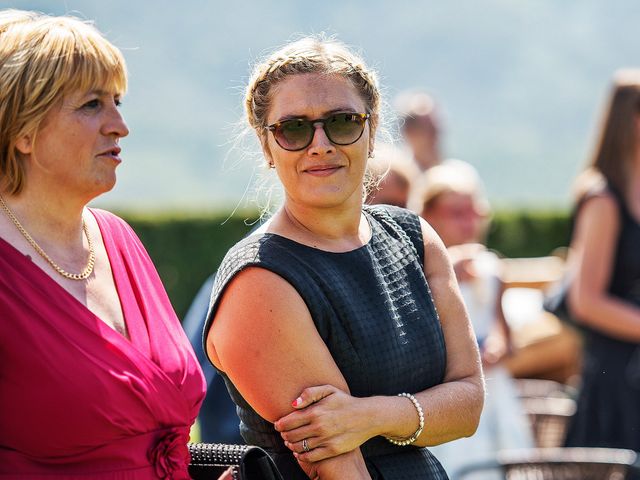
[327,421]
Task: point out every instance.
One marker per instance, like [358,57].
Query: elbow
[477,409]
[582,305]
[472,424]
[578,315]
[474,409]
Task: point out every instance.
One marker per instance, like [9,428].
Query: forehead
[455,199]
[312,96]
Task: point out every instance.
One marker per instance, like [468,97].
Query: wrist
[419,413]
[374,413]
[395,416]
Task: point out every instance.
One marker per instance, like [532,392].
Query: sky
[519,85]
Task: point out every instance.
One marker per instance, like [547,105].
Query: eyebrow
[101,93]
[326,114]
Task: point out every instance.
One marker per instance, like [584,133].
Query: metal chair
[549,418]
[538,388]
[555,464]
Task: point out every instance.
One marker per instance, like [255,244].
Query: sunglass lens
[344,128]
[294,134]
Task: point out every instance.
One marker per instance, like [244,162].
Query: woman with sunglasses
[339,327]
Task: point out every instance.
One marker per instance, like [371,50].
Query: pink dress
[77,399]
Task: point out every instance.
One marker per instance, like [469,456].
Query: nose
[320,143]
[115,124]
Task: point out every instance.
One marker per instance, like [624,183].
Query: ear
[372,144]
[24,144]
[372,138]
[265,149]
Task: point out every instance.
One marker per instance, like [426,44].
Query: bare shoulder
[603,200]
[598,215]
[259,301]
[265,340]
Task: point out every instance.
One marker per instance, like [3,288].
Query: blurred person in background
[390,175]
[451,198]
[343,360]
[97,379]
[604,296]
[218,421]
[420,127]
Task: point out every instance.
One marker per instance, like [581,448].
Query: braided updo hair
[309,55]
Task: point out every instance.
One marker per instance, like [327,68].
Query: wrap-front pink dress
[77,399]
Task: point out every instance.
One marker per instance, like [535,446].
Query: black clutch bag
[555,300]
[210,460]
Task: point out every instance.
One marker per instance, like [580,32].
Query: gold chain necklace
[72,276]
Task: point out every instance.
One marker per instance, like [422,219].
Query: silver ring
[305,446]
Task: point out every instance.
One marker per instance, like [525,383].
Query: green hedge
[528,233]
[186,250]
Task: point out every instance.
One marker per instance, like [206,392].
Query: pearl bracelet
[408,441]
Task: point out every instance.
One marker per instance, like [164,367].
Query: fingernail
[296,402]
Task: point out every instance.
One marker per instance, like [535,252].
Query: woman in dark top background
[352,313]
[605,293]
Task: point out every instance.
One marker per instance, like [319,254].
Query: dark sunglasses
[340,129]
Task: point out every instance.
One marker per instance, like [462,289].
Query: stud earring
[370,155]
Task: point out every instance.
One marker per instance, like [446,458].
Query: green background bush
[186,250]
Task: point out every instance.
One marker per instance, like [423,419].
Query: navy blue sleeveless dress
[608,407]
[373,309]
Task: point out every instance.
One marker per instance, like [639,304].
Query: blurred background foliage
[186,250]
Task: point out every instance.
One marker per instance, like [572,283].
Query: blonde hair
[452,176]
[309,55]
[388,160]
[42,60]
[618,141]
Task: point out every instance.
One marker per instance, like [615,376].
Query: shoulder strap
[407,221]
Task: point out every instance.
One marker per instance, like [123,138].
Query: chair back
[555,464]
[549,418]
[539,388]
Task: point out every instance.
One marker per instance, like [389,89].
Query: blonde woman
[339,327]
[97,379]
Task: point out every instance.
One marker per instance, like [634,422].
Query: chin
[333,197]
[327,200]
[103,185]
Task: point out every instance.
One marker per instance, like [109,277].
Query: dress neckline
[372,227]
[129,314]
